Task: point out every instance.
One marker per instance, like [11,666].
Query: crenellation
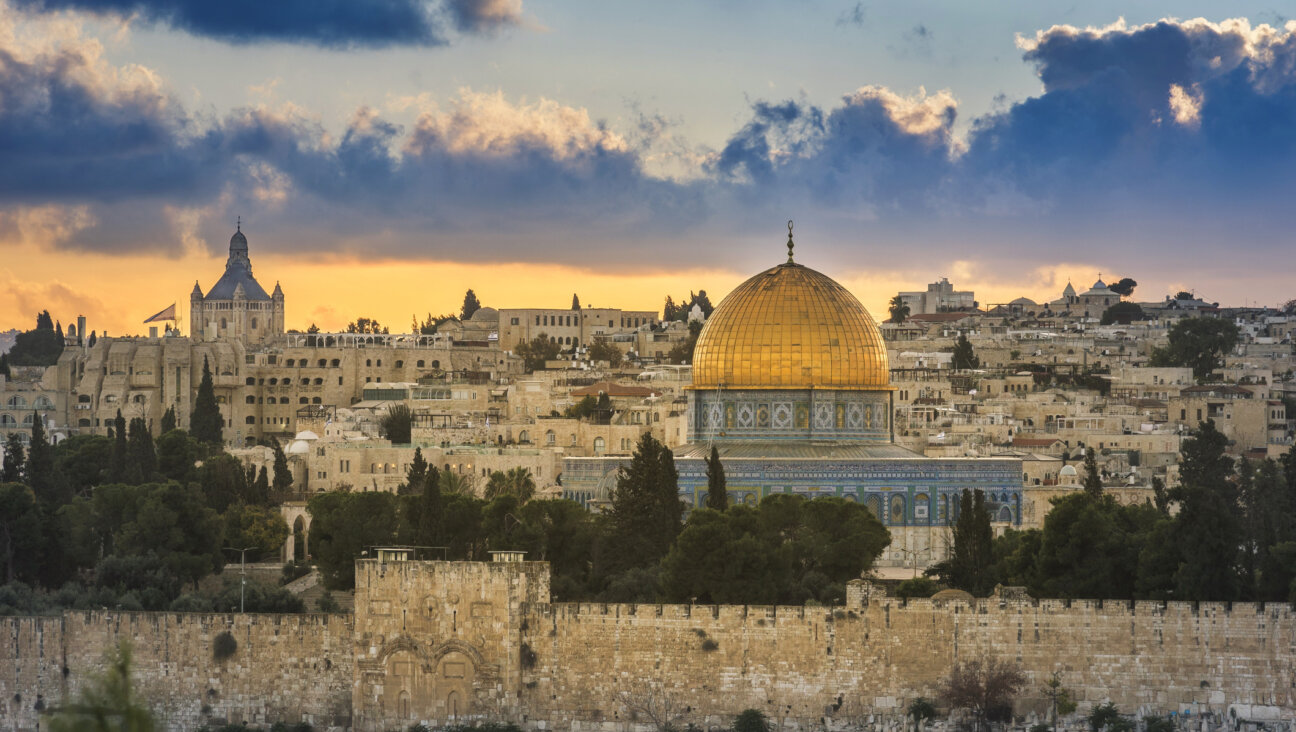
[435,641]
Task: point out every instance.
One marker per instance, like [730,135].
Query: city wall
[285,667]
[436,642]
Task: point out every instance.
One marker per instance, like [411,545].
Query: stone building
[236,307]
[939,297]
[791,384]
[570,328]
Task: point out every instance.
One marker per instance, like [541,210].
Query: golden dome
[790,327]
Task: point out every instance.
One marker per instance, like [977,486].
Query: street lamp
[242,570]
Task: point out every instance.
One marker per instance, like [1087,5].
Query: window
[524,437]
[17,402]
[334,363]
[251,381]
[513,321]
[305,382]
[302,400]
[250,400]
[84,399]
[380,362]
[368,362]
[420,363]
[43,402]
[251,420]
[550,437]
[315,400]
[321,363]
[222,325]
[254,322]
[319,382]
[600,446]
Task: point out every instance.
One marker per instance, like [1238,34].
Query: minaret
[197,323]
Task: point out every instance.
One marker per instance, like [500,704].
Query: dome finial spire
[238,224]
[790,244]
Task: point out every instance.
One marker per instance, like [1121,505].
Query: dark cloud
[327,23]
[1179,130]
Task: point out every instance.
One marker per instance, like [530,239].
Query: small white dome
[306,435]
[297,447]
[1067,471]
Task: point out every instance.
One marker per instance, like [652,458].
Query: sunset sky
[386,156]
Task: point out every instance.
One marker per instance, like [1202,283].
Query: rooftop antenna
[789,244]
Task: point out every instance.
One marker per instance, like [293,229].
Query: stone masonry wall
[813,666]
[437,642]
[286,667]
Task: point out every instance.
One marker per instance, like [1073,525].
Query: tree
[1208,524]
[751,720]
[1124,287]
[682,353]
[169,420]
[397,424]
[416,475]
[646,510]
[1199,343]
[1183,295]
[670,311]
[1060,701]
[603,350]
[117,459]
[345,524]
[20,532]
[39,472]
[44,321]
[920,710]
[1160,496]
[470,305]
[1092,480]
[39,347]
[717,496]
[970,562]
[108,703]
[536,352]
[4,366]
[283,479]
[421,508]
[141,455]
[365,325]
[176,454]
[986,688]
[206,422]
[899,309]
[517,482]
[256,526]
[15,459]
[222,481]
[259,491]
[575,302]
[1123,313]
[94,338]
[964,357]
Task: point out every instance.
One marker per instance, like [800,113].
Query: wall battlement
[440,641]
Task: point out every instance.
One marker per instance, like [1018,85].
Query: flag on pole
[168,314]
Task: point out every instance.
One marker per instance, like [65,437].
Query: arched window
[16,402]
[250,399]
[436,364]
[334,363]
[379,364]
[254,322]
[84,399]
[43,402]
[315,400]
[399,364]
[524,437]
[302,400]
[319,382]
[550,437]
[897,509]
[305,382]
[289,362]
[251,381]
[83,422]
[599,446]
[223,325]
[420,363]
[368,362]
[250,420]
[7,421]
[321,363]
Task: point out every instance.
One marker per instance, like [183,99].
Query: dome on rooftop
[790,327]
[485,314]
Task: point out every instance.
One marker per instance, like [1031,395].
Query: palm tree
[516,482]
[457,483]
[899,309]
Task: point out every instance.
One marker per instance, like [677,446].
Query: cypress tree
[1092,482]
[40,464]
[283,479]
[416,474]
[1209,525]
[206,422]
[428,523]
[15,457]
[717,496]
[969,565]
[646,510]
[169,420]
[117,458]
[470,305]
[141,455]
[4,366]
[261,488]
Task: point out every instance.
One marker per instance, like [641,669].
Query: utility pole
[242,570]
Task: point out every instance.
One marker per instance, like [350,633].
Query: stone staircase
[310,589]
